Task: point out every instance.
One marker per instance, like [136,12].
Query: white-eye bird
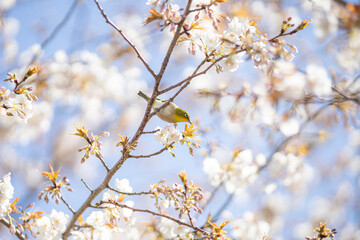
[171,113]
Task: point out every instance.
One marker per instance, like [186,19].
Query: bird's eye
[187,116]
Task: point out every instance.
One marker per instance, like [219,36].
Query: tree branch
[86,185]
[145,120]
[134,193]
[186,79]
[153,154]
[103,163]
[156,214]
[151,132]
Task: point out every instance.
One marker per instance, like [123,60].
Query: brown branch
[186,79]
[174,40]
[17,84]
[134,193]
[190,219]
[18,234]
[103,163]
[93,195]
[125,155]
[155,214]
[153,154]
[86,185]
[125,38]
[151,132]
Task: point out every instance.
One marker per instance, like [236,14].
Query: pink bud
[12,229]
[30,205]
[106,134]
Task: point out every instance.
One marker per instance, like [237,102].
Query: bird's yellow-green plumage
[171,113]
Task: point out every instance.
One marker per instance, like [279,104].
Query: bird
[171,113]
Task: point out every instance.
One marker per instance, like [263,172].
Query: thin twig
[67,204]
[190,219]
[134,193]
[17,84]
[155,214]
[18,234]
[87,186]
[151,132]
[103,163]
[126,39]
[186,79]
[153,154]
[90,142]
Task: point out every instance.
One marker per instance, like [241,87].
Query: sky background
[85,30]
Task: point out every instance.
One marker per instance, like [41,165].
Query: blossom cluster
[231,44]
[236,175]
[249,227]
[328,18]
[50,227]
[257,103]
[325,16]
[106,223]
[16,104]
[290,168]
[55,189]
[289,82]
[347,57]
[173,230]
[6,193]
[94,145]
[183,196]
[167,134]
[9,27]
[240,38]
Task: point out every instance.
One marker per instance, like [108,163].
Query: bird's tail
[143,95]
